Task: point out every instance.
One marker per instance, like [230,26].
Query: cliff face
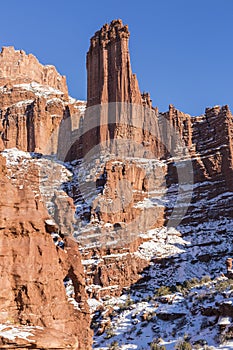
[110,82]
[129,165]
[33,102]
[19,68]
[124,133]
[32,268]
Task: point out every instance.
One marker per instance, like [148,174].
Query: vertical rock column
[110,78]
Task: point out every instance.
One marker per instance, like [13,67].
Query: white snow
[50,222]
[39,90]
[72,100]
[54,100]
[22,103]
[93,304]
[13,156]
[12,332]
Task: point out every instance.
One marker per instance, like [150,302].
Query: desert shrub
[109,333]
[189,284]
[114,345]
[183,345]
[205,279]
[228,335]
[163,290]
[181,289]
[224,285]
[126,305]
[155,346]
[194,281]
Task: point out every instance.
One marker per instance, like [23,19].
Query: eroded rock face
[130,181]
[110,82]
[131,192]
[121,122]
[19,68]
[33,103]
[110,78]
[32,268]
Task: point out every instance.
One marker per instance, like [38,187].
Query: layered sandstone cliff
[33,269]
[109,74]
[33,102]
[132,196]
[137,165]
[110,85]
[19,68]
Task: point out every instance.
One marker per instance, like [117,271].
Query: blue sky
[181,50]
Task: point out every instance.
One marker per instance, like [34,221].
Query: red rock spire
[109,73]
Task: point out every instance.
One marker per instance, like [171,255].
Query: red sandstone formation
[19,68]
[33,102]
[34,106]
[109,74]
[32,269]
[172,136]
[229,264]
[110,81]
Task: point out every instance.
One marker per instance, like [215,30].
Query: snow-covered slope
[182,294]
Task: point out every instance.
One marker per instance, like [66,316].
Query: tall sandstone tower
[110,78]
[112,89]
[118,114]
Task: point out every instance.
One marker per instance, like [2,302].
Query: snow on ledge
[39,90]
[11,332]
[13,155]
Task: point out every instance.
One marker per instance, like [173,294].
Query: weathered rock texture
[19,68]
[33,103]
[120,121]
[129,193]
[109,74]
[32,269]
[110,82]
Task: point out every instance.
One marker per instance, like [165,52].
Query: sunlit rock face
[33,102]
[141,169]
[32,268]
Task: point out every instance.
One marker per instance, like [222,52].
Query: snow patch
[39,90]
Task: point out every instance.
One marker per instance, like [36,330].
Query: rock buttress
[32,269]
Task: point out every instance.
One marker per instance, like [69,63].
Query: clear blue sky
[181,50]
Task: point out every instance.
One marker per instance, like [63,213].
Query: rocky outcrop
[128,183]
[121,122]
[31,114]
[19,68]
[134,158]
[32,268]
[33,103]
[110,84]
